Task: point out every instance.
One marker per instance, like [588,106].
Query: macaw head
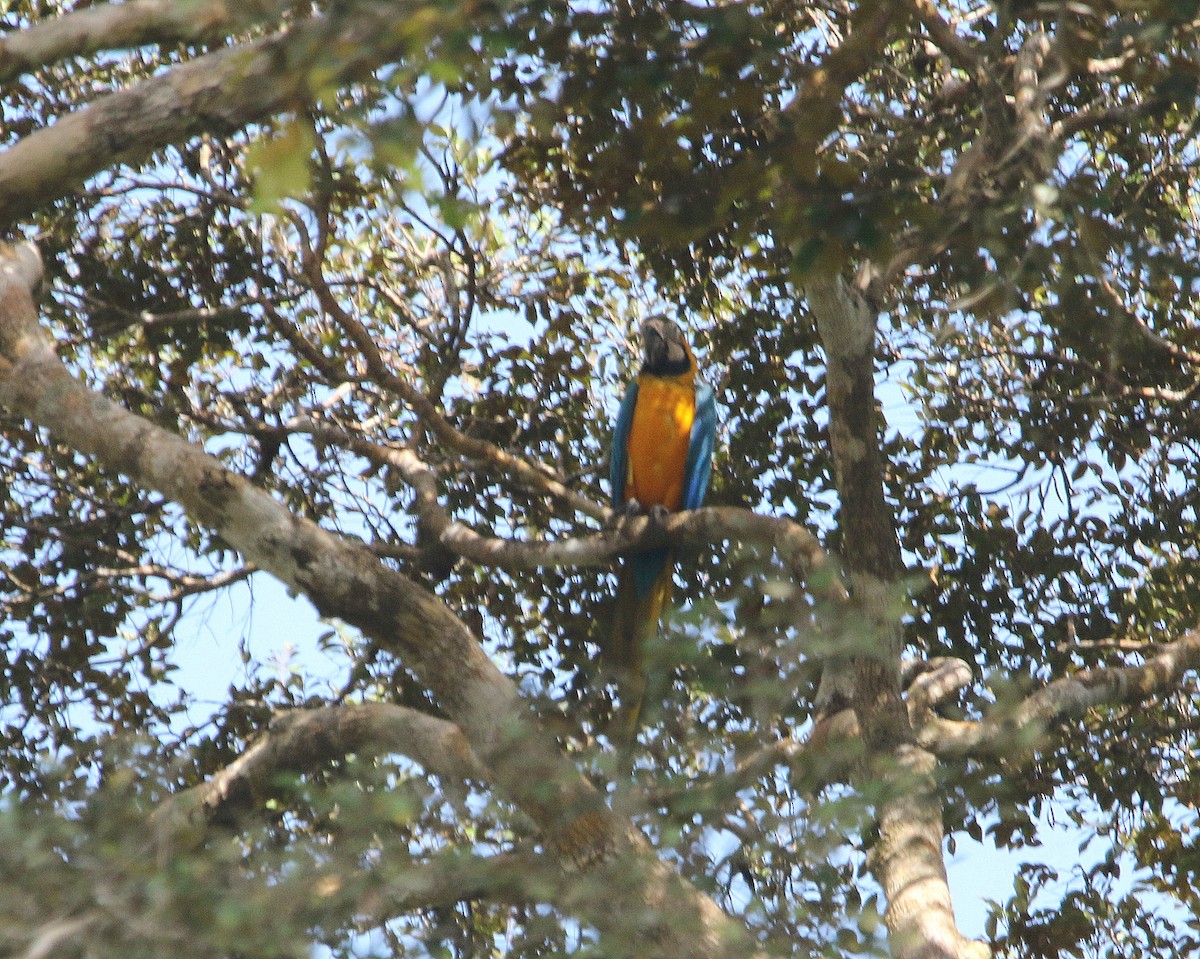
[664,350]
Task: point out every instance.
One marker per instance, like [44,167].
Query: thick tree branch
[216,93]
[1014,733]
[345,580]
[931,682]
[342,578]
[219,92]
[300,740]
[797,548]
[123,25]
[871,554]
[519,876]
[947,39]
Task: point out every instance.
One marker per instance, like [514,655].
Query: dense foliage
[487,221]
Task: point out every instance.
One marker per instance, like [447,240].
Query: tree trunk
[907,859]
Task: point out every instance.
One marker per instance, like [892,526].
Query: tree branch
[533,476]
[947,39]
[1011,733]
[519,876]
[215,93]
[1014,735]
[798,549]
[124,25]
[834,750]
[871,553]
[299,740]
[817,107]
[342,578]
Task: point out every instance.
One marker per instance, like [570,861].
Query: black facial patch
[664,352]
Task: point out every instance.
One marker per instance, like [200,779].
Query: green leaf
[281,165]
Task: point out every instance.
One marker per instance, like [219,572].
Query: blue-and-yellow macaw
[661,457]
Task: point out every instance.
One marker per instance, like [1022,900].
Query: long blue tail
[643,589]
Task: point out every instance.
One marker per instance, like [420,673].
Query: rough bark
[907,857]
[870,552]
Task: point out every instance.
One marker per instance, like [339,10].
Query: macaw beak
[663,346]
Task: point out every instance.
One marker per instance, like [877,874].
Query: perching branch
[797,548]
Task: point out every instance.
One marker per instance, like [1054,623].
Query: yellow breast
[659,439]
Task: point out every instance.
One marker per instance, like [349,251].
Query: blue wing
[700,447]
[618,462]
